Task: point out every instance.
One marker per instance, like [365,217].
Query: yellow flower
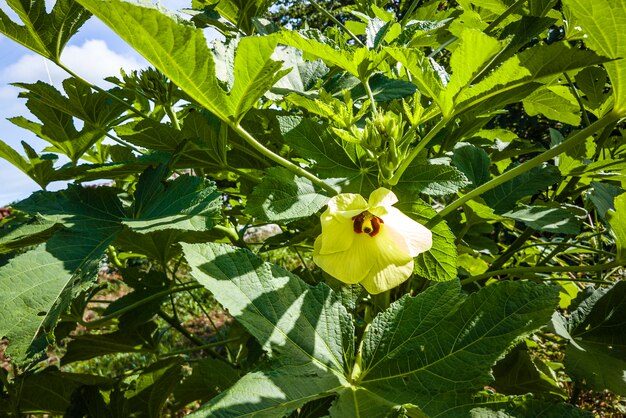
[369,243]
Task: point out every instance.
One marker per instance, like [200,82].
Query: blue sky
[94,53]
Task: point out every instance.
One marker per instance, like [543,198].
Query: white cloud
[93,60]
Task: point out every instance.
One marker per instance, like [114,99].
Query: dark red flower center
[367,223]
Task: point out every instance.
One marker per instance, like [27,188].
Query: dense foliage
[184,282]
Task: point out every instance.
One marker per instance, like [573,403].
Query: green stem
[541,269]
[124,143]
[370,94]
[280,160]
[571,142]
[576,94]
[230,233]
[416,150]
[408,13]
[173,118]
[337,22]
[176,325]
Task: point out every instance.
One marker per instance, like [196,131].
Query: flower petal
[378,261]
[347,205]
[416,238]
[337,233]
[388,278]
[380,201]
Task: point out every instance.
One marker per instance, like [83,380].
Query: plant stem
[280,160]
[337,22]
[416,150]
[370,94]
[176,325]
[541,269]
[576,94]
[232,235]
[572,141]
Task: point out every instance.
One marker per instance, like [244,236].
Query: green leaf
[38,285]
[33,232]
[556,103]
[384,89]
[603,195]
[591,81]
[505,196]
[601,22]
[39,168]
[239,12]
[53,391]
[617,221]
[284,197]
[96,108]
[84,347]
[151,134]
[473,52]
[597,336]
[153,386]
[473,162]
[185,203]
[545,218]
[329,159]
[517,374]
[489,405]
[423,75]
[45,33]
[305,330]
[444,342]
[208,378]
[255,73]
[180,51]
[431,179]
[521,74]
[57,128]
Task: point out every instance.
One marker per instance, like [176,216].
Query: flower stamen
[366,222]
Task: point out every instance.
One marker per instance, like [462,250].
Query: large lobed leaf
[305,330]
[45,33]
[180,51]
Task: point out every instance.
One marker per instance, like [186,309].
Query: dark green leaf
[384,89]
[153,386]
[603,195]
[442,341]
[33,232]
[440,262]
[208,378]
[52,391]
[473,162]
[185,203]
[431,179]
[84,347]
[39,168]
[597,335]
[505,196]
[284,197]
[517,374]
[329,159]
[545,218]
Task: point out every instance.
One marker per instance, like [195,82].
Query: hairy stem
[280,160]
